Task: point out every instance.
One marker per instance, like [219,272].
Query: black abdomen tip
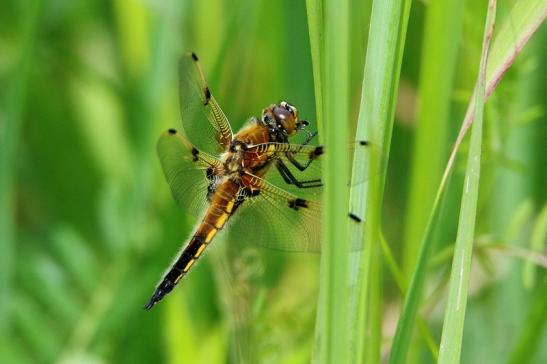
[194,57]
[172,131]
[164,288]
[153,300]
[150,304]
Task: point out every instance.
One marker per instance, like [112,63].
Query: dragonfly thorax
[233,160]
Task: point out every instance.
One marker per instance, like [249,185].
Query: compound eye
[282,114]
[285,119]
[291,109]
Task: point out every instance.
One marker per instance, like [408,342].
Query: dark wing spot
[195,57]
[172,131]
[195,153]
[297,203]
[317,152]
[209,173]
[363,142]
[207,94]
[355,217]
[301,203]
[247,192]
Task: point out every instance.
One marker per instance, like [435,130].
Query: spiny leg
[289,178]
[310,137]
[302,167]
[313,155]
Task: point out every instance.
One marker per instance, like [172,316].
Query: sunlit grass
[332,74]
[87,224]
[451,339]
[378,99]
[499,61]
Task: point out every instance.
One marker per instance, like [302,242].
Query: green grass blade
[528,16]
[451,339]
[522,22]
[333,327]
[442,35]
[398,276]
[314,10]
[405,325]
[385,46]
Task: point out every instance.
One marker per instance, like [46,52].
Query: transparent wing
[186,169]
[203,120]
[362,151]
[277,219]
[301,154]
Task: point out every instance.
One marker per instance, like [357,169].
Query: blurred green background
[87,223]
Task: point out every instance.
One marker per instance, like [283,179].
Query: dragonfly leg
[310,137]
[313,156]
[289,178]
[316,153]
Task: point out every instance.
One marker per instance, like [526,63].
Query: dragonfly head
[283,117]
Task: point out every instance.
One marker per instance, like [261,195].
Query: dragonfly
[264,187]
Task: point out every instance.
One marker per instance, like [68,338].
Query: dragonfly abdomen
[222,205]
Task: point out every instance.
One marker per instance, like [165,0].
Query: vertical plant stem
[439,55]
[439,58]
[333,334]
[401,283]
[379,94]
[314,10]
[451,339]
[315,28]
[523,20]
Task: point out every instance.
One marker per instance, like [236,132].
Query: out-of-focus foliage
[87,223]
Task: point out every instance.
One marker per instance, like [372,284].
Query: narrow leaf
[451,339]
